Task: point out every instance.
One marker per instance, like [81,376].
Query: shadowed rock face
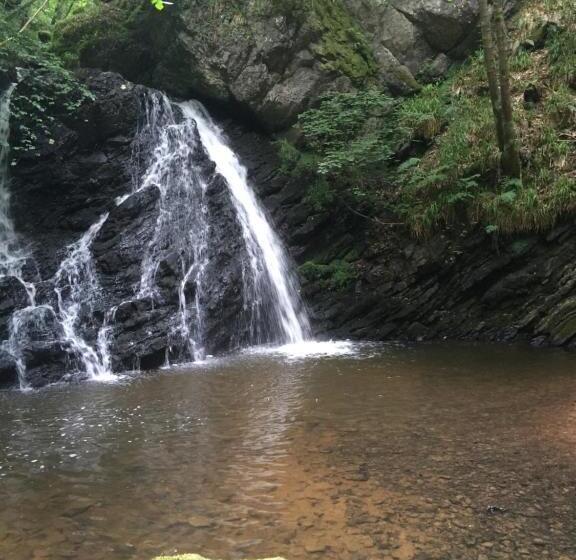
[460,284]
[275,59]
[65,189]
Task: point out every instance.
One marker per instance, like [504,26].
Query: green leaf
[508,197]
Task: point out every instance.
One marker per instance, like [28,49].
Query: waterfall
[182,226]
[12,256]
[271,300]
[77,290]
[9,258]
[268,264]
[204,196]
[63,323]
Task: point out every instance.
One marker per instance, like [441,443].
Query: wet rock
[198,557]
[492,510]
[60,194]
[532,95]
[13,296]
[47,362]
[200,522]
[8,371]
[315,547]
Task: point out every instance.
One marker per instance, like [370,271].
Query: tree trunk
[490,61]
[511,165]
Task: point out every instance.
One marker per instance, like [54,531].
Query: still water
[372,452]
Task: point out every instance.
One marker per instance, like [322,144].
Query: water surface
[385,452]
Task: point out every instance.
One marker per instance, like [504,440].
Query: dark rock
[542,33]
[495,509]
[13,296]
[46,362]
[8,371]
[532,94]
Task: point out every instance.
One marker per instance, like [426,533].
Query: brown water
[390,453]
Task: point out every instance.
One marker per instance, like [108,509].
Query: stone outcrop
[274,59]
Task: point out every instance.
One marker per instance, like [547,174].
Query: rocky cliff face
[460,284]
[59,192]
[275,59]
[272,64]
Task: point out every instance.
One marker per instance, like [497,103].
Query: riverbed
[358,451]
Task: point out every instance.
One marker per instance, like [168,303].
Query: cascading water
[182,226]
[12,256]
[204,197]
[270,273]
[271,301]
[57,320]
[9,258]
[77,290]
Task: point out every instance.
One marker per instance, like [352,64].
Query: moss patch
[107,27]
[343,46]
[561,324]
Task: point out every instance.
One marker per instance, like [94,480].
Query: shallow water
[378,452]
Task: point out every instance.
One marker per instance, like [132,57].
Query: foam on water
[309,349]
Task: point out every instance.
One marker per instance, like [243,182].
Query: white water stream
[177,138]
[268,262]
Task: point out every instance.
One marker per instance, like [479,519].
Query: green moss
[342,47]
[98,26]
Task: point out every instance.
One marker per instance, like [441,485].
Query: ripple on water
[345,451]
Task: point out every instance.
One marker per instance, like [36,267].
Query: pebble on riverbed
[198,557]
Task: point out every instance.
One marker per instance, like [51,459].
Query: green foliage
[562,43]
[348,140]
[46,90]
[107,26]
[347,132]
[456,180]
[352,140]
[336,275]
[295,162]
[423,116]
[321,195]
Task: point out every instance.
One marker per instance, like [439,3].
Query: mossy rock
[560,325]
[343,47]
[198,557]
